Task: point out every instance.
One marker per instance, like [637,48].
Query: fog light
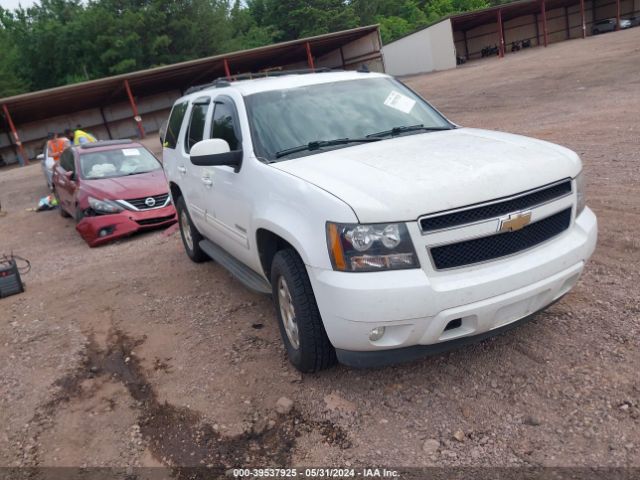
[376,334]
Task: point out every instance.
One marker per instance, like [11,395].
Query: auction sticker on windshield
[131,152]
[399,102]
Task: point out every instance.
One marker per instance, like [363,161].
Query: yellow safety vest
[78,134]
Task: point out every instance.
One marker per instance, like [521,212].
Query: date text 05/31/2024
[314,473]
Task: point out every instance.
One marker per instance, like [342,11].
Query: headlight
[104,206]
[580,194]
[370,248]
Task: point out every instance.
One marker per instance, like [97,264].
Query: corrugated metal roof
[469,20]
[56,101]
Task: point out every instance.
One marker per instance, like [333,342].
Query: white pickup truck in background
[383,231]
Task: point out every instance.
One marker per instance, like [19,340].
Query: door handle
[182,170]
[207,181]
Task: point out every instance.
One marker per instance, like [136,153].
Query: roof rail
[104,143]
[225,82]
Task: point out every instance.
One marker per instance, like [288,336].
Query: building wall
[424,51]
[155,109]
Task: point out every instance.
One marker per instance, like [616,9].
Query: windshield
[285,119]
[117,163]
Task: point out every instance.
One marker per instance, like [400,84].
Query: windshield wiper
[316,145]
[406,128]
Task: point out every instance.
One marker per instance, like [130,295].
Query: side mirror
[215,152]
[40,156]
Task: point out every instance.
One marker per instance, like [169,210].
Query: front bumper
[101,229]
[416,308]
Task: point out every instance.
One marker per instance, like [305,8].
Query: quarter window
[223,125]
[173,127]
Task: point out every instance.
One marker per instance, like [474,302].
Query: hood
[403,178]
[132,186]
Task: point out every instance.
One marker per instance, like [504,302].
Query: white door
[198,187]
[228,203]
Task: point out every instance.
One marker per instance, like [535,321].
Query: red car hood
[132,186]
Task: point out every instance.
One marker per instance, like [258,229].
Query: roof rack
[221,82]
[104,143]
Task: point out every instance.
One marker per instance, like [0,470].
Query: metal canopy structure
[43,104]
[510,26]
[94,93]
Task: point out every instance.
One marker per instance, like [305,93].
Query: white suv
[382,230]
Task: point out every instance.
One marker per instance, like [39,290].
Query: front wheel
[301,327]
[190,235]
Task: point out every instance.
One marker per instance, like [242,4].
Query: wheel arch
[268,244]
[175,191]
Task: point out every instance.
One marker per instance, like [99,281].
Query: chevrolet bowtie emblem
[514,222]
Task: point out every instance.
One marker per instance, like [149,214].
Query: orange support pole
[310,57]
[227,72]
[500,33]
[544,23]
[584,23]
[14,132]
[134,108]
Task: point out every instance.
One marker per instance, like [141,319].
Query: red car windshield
[117,163]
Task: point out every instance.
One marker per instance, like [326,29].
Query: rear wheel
[301,327]
[190,235]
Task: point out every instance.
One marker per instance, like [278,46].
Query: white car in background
[46,163]
[382,230]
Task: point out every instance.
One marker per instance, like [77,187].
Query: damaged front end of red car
[97,230]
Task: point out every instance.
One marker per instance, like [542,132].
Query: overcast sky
[13,4]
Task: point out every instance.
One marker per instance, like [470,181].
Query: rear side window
[67,161]
[173,127]
[195,130]
[223,125]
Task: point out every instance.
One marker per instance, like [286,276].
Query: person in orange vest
[56,145]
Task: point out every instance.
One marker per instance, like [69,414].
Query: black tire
[596,32]
[194,252]
[314,351]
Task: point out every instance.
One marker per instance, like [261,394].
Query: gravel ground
[131,355]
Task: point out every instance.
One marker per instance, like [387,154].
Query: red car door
[66,181]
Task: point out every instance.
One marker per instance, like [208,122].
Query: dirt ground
[131,355]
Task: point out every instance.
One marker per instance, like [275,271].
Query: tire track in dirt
[178,437]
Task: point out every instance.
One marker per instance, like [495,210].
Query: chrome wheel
[186,229]
[288,313]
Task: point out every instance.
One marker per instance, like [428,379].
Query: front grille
[497,209]
[153,221]
[502,244]
[140,204]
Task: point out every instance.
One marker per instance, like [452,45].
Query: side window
[195,129]
[173,127]
[67,161]
[223,125]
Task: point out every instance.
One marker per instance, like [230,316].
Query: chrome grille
[140,203]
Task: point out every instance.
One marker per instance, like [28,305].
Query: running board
[244,274]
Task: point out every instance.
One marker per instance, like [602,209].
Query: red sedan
[112,189]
